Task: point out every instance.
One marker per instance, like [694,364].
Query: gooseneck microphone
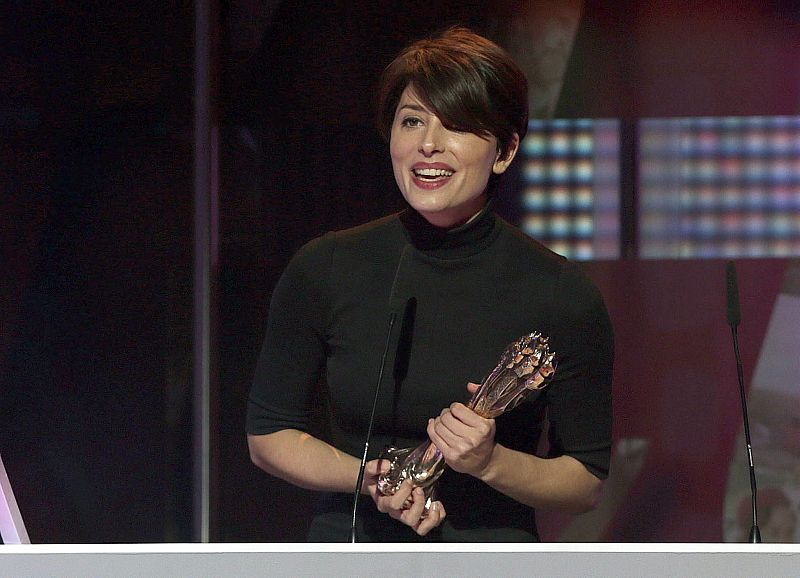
[734,318]
[390,326]
[734,311]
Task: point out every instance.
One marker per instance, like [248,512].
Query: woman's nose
[432,139]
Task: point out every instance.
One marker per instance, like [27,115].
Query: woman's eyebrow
[414,107]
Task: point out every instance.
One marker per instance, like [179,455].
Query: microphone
[734,312]
[734,318]
[390,326]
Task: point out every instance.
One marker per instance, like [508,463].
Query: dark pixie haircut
[469,82]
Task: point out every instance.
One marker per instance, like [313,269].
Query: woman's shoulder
[532,255]
[381,229]
[528,251]
[362,240]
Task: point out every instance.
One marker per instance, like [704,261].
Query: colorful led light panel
[570,196]
[719,187]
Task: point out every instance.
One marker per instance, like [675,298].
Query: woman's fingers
[376,467]
[413,516]
[465,439]
[407,505]
[435,517]
[413,513]
[394,504]
[459,427]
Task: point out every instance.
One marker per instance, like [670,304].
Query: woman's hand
[406,505]
[465,439]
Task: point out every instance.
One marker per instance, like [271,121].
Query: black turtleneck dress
[461,297]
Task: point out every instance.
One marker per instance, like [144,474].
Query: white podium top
[393,560]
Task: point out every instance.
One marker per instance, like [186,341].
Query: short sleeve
[293,352]
[579,399]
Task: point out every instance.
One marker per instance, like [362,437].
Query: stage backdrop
[96,248]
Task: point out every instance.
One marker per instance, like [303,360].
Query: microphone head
[734,312]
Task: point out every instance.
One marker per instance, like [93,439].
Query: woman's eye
[412,121]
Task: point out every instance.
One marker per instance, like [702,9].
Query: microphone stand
[362,469]
[734,317]
[755,534]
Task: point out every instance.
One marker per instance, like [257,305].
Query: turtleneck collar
[462,241]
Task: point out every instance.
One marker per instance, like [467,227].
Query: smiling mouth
[432,175]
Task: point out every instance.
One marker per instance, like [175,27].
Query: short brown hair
[469,82]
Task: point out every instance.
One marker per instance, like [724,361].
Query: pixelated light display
[719,187]
[571,186]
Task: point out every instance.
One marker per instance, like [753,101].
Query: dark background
[96,240]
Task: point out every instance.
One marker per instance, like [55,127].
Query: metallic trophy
[526,365]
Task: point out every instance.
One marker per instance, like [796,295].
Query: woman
[466,284]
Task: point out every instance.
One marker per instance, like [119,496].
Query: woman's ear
[501,163]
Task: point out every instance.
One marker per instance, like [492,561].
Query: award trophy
[526,365]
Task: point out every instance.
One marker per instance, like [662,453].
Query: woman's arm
[310,463]
[561,483]
[303,460]
[467,442]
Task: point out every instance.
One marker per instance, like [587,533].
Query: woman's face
[442,173]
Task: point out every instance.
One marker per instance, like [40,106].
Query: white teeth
[432,173]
